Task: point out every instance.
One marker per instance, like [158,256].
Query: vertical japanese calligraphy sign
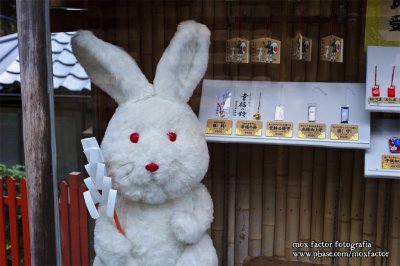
[382,23]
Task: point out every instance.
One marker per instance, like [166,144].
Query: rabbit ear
[183,63]
[110,68]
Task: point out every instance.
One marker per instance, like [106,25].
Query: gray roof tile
[67,72]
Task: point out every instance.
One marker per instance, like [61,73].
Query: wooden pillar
[35,75]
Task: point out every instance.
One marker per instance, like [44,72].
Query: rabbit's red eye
[172,136]
[134,137]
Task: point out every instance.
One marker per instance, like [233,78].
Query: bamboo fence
[394,228]
[217,193]
[357,203]
[370,219]
[344,209]
[268,197]
[269,192]
[306,198]
[318,198]
[255,226]
[331,192]
[293,202]
[242,208]
[280,201]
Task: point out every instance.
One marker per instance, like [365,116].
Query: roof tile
[68,73]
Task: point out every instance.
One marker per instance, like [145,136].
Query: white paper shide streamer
[98,183]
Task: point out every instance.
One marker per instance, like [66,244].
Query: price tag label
[279,129]
[391,100]
[219,127]
[312,131]
[248,128]
[375,100]
[391,162]
[344,132]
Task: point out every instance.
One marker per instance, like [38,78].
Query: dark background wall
[267,197]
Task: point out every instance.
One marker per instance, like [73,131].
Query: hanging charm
[394,145]
[331,49]
[392,89]
[344,114]
[279,112]
[257,115]
[375,89]
[223,104]
[237,50]
[266,50]
[301,48]
[312,112]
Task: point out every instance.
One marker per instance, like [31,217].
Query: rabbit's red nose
[152,167]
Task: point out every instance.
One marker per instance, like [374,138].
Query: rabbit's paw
[111,246]
[186,227]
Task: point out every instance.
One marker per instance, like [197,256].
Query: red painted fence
[74,222]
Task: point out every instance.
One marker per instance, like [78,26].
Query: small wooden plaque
[331,49]
[237,50]
[391,100]
[301,48]
[248,128]
[279,129]
[219,127]
[375,99]
[344,132]
[312,131]
[266,50]
[391,162]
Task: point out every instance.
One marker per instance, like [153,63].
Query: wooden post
[34,45]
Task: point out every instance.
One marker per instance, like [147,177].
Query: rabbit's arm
[189,227]
[111,246]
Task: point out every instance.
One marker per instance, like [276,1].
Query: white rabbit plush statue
[155,151]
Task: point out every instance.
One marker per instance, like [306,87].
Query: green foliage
[16,171]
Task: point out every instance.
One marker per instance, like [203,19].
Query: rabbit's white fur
[165,214]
